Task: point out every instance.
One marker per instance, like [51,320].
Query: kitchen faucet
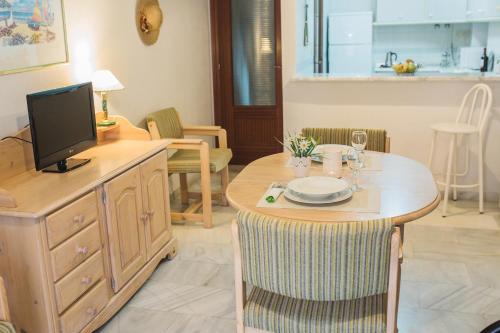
[390,59]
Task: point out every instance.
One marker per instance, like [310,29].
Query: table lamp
[104,82]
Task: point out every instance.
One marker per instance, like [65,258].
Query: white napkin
[273,193]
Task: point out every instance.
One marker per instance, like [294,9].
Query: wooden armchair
[377,138]
[5,325]
[193,156]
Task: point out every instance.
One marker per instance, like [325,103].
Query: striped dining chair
[377,138]
[315,277]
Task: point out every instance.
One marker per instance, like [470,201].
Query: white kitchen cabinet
[401,11]
[482,9]
[446,10]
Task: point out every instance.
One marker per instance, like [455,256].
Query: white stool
[471,121]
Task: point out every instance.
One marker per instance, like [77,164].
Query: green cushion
[274,313]
[168,123]
[188,161]
[342,136]
[315,261]
[6,327]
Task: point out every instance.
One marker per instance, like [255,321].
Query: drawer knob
[144,217]
[151,213]
[91,311]
[82,250]
[79,219]
[87,280]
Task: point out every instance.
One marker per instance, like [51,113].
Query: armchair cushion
[188,161]
[275,313]
[342,136]
[168,123]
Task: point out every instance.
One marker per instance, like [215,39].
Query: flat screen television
[62,124]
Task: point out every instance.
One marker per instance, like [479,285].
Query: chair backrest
[343,136]
[476,106]
[315,261]
[168,123]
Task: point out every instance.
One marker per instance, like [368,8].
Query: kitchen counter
[391,76]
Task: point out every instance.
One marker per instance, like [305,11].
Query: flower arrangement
[299,145]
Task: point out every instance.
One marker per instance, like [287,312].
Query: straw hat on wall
[149,19]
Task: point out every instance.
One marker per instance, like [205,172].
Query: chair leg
[481,175]
[184,188]
[431,154]
[448,176]
[206,189]
[224,175]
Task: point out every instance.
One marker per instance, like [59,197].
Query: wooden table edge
[397,220]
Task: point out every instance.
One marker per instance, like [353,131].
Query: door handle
[277,67]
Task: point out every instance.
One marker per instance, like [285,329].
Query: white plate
[319,150]
[317,188]
[334,199]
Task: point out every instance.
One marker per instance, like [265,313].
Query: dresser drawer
[76,283]
[71,219]
[75,250]
[86,309]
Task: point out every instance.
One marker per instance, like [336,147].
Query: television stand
[66,165]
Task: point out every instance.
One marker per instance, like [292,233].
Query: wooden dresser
[77,246]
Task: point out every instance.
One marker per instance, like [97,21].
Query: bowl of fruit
[409,67]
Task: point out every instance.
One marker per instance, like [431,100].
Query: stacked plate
[318,157]
[318,190]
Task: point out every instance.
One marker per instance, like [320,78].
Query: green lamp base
[106,123]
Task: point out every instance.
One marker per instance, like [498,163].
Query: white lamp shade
[104,81]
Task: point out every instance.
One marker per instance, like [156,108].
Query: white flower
[304,145]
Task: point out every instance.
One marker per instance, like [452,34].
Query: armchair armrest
[4,305]
[217,131]
[189,144]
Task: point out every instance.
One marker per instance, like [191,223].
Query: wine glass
[359,140]
[355,163]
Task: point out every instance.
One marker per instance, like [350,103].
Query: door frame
[219,117]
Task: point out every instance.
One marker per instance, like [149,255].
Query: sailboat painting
[32,34]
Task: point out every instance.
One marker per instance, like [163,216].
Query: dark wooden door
[246,42]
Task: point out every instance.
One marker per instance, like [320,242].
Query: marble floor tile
[421,270]
[431,321]
[219,304]
[199,324]
[196,273]
[221,254]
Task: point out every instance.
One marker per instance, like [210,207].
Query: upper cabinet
[435,11]
[400,11]
[483,9]
[446,10]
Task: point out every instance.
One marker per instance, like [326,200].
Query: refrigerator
[350,43]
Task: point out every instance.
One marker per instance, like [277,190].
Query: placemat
[367,200]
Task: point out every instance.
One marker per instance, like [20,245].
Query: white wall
[405,109]
[102,34]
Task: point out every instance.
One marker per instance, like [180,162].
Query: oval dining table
[407,192]
[407,189]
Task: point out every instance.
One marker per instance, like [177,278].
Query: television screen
[62,123]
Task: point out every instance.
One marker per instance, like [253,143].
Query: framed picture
[32,34]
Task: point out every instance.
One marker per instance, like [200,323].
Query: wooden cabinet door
[156,202]
[126,225]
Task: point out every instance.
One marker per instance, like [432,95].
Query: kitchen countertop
[391,76]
